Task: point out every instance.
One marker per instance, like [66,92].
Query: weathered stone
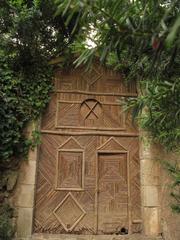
[151,221]
[2,196]
[170,222]
[24,223]
[25,196]
[27,172]
[32,155]
[148,150]
[150,196]
[13,222]
[12,179]
[89,237]
[8,180]
[6,194]
[149,172]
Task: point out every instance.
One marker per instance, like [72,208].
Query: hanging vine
[30,36]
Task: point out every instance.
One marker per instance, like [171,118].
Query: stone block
[24,196]
[144,153]
[8,180]
[150,196]
[149,179]
[24,222]
[32,155]
[151,221]
[149,172]
[27,172]
[148,150]
[12,179]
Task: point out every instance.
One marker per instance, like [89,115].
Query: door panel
[112,192]
[65,194]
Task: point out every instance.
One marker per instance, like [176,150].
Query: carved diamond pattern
[69,212]
[91,77]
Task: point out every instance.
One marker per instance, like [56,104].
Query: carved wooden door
[88,170]
[112,192]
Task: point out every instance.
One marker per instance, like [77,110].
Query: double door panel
[87,184]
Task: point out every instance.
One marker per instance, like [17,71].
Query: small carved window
[91,109]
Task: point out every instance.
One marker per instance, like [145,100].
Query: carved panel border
[121,149]
[77,105]
[71,151]
[69,229]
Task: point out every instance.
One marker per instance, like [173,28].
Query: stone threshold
[88,237]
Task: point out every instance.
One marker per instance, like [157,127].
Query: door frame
[128,185]
[64,150]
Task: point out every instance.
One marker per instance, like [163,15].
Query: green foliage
[127,28]
[6,229]
[22,98]
[162,115]
[29,38]
[175,193]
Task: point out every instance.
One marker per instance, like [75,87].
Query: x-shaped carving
[91,109]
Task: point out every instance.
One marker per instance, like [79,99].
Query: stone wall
[23,199]
[170,222]
[8,180]
[156,183]
[150,186]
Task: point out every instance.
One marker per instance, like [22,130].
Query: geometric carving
[70,170]
[91,77]
[112,145]
[91,109]
[69,212]
[67,114]
[89,113]
[114,166]
[113,192]
[71,143]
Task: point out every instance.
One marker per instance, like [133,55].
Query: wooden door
[112,192]
[88,169]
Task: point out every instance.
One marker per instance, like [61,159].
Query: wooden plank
[98,93]
[90,128]
[93,133]
[80,102]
